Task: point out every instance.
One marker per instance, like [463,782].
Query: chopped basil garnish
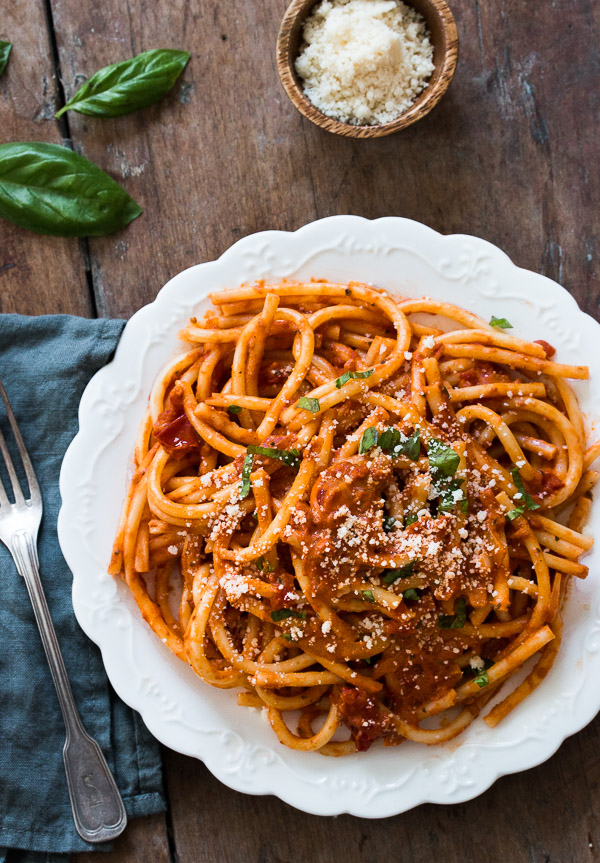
[393,575]
[234,409]
[515,513]
[448,498]
[246,471]
[368,440]
[392,441]
[287,636]
[529,501]
[411,593]
[443,461]
[290,457]
[347,376]
[368,595]
[388,523]
[264,564]
[395,443]
[501,323]
[455,621]
[410,519]
[284,613]
[389,438]
[311,405]
[482,679]
[411,446]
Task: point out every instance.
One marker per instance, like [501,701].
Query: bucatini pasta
[360,521]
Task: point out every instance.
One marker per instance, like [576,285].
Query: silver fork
[98,810]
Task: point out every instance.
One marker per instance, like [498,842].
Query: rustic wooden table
[511,154]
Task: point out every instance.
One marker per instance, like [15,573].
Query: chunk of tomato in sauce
[177,436]
[360,713]
[548,349]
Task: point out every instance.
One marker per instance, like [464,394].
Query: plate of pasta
[330,513]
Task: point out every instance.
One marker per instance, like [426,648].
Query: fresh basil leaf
[368,595]
[482,679]
[234,409]
[287,636]
[501,323]
[124,87]
[368,440]
[412,593]
[284,613]
[518,481]
[246,471]
[515,513]
[410,518]
[4,54]
[291,457]
[311,405]
[347,376]
[443,461]
[388,523]
[455,621]
[393,575]
[50,189]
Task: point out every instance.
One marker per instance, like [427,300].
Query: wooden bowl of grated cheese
[366,68]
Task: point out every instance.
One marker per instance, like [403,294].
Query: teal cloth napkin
[45,364]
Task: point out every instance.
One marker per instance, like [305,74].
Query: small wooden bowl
[443,34]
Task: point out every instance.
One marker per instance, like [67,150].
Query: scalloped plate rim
[136,698]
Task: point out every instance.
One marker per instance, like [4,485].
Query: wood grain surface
[510,154]
[38,275]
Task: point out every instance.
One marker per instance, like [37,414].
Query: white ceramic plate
[191,717]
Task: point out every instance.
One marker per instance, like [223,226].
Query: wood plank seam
[65,134]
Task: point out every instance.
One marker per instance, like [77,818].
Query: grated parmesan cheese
[364,61]
[477,663]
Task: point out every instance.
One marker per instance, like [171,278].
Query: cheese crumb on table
[364,61]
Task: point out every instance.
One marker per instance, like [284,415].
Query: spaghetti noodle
[349,513]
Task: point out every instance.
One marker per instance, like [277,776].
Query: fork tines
[34,489]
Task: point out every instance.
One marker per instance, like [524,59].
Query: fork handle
[98,809]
